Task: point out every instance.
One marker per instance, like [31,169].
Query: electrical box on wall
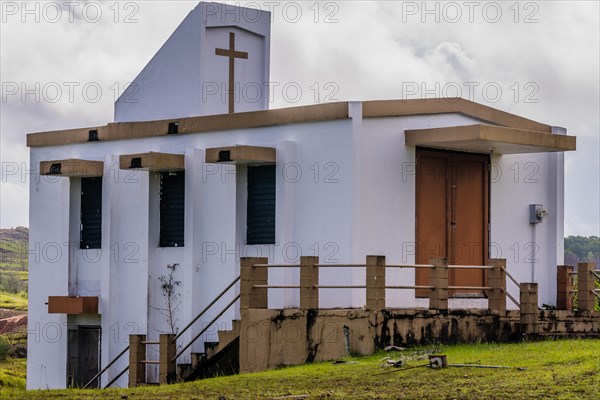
[537,213]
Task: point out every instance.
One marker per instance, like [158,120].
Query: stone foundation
[275,338]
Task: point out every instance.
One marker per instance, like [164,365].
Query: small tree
[168,287]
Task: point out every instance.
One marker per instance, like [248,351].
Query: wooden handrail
[511,298]
[510,276]
[206,308]
[470,267]
[106,368]
[277,286]
[410,287]
[206,328]
[340,286]
[116,377]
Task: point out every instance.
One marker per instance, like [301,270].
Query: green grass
[12,375]
[13,301]
[564,369]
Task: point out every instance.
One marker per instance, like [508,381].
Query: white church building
[197,172]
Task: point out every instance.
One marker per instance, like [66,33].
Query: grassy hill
[13,268]
[13,248]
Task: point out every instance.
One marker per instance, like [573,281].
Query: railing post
[564,286]
[529,307]
[439,280]
[585,286]
[167,369]
[497,281]
[309,278]
[375,282]
[250,275]
[137,354]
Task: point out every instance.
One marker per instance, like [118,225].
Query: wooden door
[83,356]
[452,216]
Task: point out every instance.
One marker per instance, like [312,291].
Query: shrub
[4,348]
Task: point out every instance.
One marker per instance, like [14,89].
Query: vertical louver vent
[91,213]
[172,203]
[261,205]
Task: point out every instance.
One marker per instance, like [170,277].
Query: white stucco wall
[48,269]
[517,181]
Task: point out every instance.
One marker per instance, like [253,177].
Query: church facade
[190,177]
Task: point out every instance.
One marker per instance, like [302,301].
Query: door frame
[78,328]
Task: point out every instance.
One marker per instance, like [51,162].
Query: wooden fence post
[497,280]
[251,297]
[564,287]
[439,280]
[137,354]
[375,282]
[309,278]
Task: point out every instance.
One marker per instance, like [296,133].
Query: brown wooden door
[452,216]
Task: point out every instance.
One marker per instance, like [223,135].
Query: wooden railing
[254,282]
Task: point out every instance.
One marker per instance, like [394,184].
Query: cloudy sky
[64,63]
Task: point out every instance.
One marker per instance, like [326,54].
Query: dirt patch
[13,324]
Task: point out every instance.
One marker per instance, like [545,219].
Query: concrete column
[564,286]
[529,307]
[497,280]
[439,280]
[585,286]
[309,278]
[375,282]
[166,350]
[250,275]
[137,354]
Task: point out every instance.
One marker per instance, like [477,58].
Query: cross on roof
[232,54]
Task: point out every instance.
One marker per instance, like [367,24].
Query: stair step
[225,337]
[210,349]
[183,371]
[197,358]
[236,326]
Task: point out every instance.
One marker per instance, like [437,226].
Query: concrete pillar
[309,278]
[375,283]
[564,286]
[167,349]
[250,275]
[439,280]
[137,354]
[529,307]
[585,286]
[497,280]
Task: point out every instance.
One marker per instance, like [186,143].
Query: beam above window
[153,161]
[241,155]
[487,138]
[73,305]
[72,167]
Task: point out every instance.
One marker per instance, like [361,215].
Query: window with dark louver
[91,213]
[172,203]
[261,205]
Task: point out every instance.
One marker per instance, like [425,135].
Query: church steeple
[187,78]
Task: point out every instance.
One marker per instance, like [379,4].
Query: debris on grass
[397,348]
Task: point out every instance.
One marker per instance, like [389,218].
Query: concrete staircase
[219,358]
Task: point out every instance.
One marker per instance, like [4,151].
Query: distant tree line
[582,249]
